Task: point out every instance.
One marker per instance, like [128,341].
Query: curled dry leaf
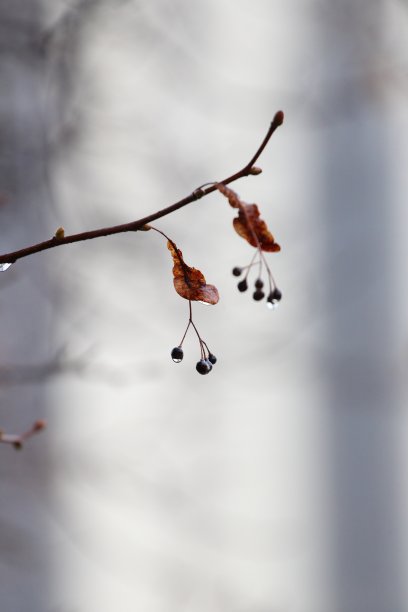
[249,224]
[190,282]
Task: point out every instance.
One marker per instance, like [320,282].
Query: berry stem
[206,346]
[249,266]
[191,322]
[185,333]
[271,280]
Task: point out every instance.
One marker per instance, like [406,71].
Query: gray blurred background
[278,482]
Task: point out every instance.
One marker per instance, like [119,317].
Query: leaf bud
[198,193]
[255,170]
[39,425]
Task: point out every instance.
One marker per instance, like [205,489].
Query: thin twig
[134,226]
[17,440]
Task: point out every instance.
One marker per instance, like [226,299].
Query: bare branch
[59,239]
[17,440]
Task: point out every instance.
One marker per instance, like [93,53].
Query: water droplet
[4,266]
[209,364]
[176,360]
[272,305]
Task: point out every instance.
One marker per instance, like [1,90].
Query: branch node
[198,193]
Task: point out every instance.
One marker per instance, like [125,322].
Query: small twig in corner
[17,440]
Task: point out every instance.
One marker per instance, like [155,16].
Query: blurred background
[278,482]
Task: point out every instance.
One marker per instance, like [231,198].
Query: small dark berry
[275,295]
[242,285]
[203,367]
[258,295]
[212,358]
[273,298]
[177,354]
[237,271]
[259,283]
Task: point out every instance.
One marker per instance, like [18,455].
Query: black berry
[212,358]
[259,283]
[237,271]
[177,354]
[203,366]
[242,285]
[258,295]
[275,295]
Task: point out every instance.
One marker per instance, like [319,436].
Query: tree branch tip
[278,118]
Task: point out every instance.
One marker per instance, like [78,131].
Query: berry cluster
[208,359]
[204,366]
[274,294]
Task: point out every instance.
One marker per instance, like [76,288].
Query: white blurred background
[278,482]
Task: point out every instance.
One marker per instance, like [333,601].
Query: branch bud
[39,425]
[59,233]
[255,170]
[278,118]
[198,193]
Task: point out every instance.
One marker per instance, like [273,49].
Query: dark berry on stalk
[203,367]
[259,283]
[275,295]
[237,271]
[258,295]
[212,358]
[242,285]
[177,354]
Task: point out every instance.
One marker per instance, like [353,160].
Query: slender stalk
[188,324]
[137,225]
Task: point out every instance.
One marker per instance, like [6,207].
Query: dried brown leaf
[249,224]
[189,282]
